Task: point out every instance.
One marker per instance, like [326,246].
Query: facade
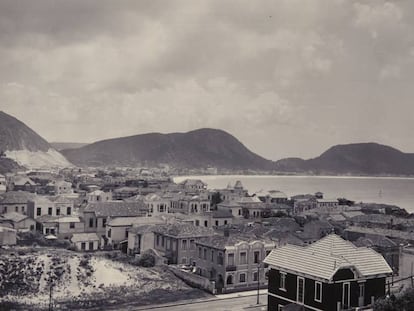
[177,241]
[327,203]
[157,204]
[97,215]
[140,239]
[62,227]
[20,222]
[234,263]
[85,241]
[98,196]
[60,187]
[235,209]
[15,201]
[193,185]
[331,274]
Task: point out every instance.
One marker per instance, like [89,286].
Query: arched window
[229,280]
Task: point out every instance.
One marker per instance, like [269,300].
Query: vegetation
[401,302]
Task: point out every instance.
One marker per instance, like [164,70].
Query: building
[20,222]
[234,263]
[60,187]
[15,201]
[327,203]
[272,196]
[140,239]
[62,227]
[193,185]
[85,241]
[97,215]
[235,209]
[176,241]
[23,183]
[331,274]
[157,204]
[98,196]
[125,192]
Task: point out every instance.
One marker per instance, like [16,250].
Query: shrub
[147,260]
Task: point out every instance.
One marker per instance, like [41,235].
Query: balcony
[231,268]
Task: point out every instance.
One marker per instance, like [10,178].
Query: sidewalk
[242,294]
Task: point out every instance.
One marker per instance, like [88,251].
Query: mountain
[62,145]
[195,149]
[357,159]
[23,145]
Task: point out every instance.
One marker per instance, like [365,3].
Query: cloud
[280,75]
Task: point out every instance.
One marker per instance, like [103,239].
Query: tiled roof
[84,237]
[129,221]
[22,180]
[390,233]
[13,216]
[116,208]
[326,256]
[221,242]
[229,204]
[222,214]
[16,197]
[142,229]
[182,230]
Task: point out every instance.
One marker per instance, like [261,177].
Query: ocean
[388,190]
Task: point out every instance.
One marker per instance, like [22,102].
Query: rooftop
[183,230]
[13,216]
[221,242]
[16,197]
[116,208]
[325,257]
[84,237]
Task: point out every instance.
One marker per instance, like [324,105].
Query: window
[255,277]
[239,212]
[104,222]
[199,252]
[220,259]
[5,210]
[318,291]
[90,222]
[162,241]
[126,234]
[49,211]
[72,225]
[184,261]
[345,295]
[90,245]
[256,257]
[69,211]
[243,258]
[300,290]
[17,208]
[280,308]
[192,244]
[205,223]
[212,256]
[205,254]
[158,240]
[184,244]
[217,223]
[230,259]
[225,222]
[38,211]
[22,209]
[229,280]
[57,211]
[282,284]
[361,290]
[197,223]
[109,233]
[242,278]
[83,246]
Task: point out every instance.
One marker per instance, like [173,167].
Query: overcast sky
[287,78]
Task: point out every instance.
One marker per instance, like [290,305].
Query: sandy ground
[83,280]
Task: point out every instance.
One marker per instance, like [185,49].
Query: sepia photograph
[187,155]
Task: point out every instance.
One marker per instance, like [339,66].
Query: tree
[403,301]
[216,199]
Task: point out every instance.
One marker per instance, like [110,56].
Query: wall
[193,280]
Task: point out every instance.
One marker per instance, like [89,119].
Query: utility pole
[50,294]
[258,283]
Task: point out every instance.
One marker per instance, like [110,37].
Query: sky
[286,77]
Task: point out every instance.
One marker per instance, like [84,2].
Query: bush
[147,260]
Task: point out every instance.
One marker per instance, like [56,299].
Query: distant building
[98,196]
[8,235]
[20,222]
[15,201]
[23,183]
[85,241]
[193,185]
[331,274]
[327,203]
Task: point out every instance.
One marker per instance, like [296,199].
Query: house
[331,274]
[15,201]
[23,183]
[140,239]
[97,215]
[190,204]
[85,241]
[62,226]
[63,205]
[233,262]
[98,196]
[117,228]
[8,235]
[20,222]
[235,209]
[125,192]
[40,206]
[157,204]
[193,185]
[232,193]
[272,196]
[327,203]
[177,241]
[60,187]
[252,207]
